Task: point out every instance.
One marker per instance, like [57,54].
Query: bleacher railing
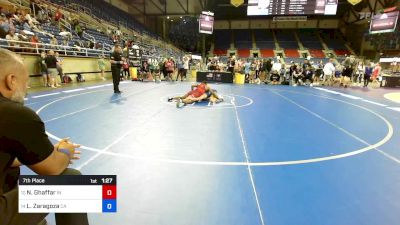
[89,37]
[29,47]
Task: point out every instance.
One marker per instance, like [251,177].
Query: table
[390,81]
[214,76]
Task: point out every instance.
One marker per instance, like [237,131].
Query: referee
[116,64]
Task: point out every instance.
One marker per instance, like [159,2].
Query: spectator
[125,69]
[170,67]
[252,71]
[65,43]
[98,46]
[35,42]
[318,72]
[163,68]
[65,34]
[118,33]
[308,75]
[51,63]
[376,73]
[58,16]
[11,38]
[277,66]
[26,26]
[102,66]
[4,27]
[292,68]
[297,73]
[258,65]
[23,141]
[359,72]
[247,67]
[180,70]
[11,25]
[78,30]
[304,66]
[31,21]
[186,66]
[329,72]
[268,67]
[347,72]
[43,69]
[60,66]
[54,43]
[367,74]
[275,77]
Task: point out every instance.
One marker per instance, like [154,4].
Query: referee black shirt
[116,57]
[22,136]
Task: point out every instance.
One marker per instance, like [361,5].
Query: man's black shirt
[22,136]
[51,62]
[116,57]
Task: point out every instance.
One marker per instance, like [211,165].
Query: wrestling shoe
[178,103]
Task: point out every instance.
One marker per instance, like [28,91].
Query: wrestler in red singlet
[199,91]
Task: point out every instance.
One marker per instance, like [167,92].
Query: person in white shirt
[185,67]
[277,66]
[329,72]
[11,37]
[359,72]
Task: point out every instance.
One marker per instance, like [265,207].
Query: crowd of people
[351,71]
[23,27]
[19,25]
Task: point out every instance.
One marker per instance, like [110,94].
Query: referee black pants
[116,71]
[9,208]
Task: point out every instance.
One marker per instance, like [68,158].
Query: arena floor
[275,155]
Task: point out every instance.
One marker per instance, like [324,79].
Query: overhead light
[167,17]
[180,17]
[172,20]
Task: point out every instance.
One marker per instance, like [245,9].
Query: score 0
[109,192]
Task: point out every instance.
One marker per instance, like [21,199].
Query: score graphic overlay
[67,194]
[291,7]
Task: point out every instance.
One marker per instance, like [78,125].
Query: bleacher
[292,53]
[323,59]
[110,13]
[243,53]
[267,53]
[243,39]
[335,43]
[264,39]
[288,60]
[317,53]
[309,39]
[220,52]
[222,41]
[286,39]
[99,36]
